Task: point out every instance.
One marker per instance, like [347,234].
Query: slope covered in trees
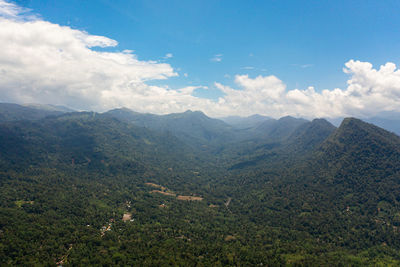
[292,192]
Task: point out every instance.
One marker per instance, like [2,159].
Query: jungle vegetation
[195,191]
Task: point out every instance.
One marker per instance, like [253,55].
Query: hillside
[309,135]
[344,193]
[280,129]
[12,112]
[245,122]
[361,159]
[193,127]
[99,188]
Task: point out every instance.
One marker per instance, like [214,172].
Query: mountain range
[198,190]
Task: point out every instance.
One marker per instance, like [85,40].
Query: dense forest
[131,189]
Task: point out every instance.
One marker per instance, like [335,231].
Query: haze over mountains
[257,190]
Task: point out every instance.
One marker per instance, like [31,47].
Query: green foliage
[306,195]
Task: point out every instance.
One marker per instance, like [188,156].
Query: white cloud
[217,58]
[368,93]
[260,95]
[43,62]
[168,55]
[11,11]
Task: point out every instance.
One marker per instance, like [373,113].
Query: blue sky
[302,43]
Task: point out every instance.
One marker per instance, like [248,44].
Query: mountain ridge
[320,195]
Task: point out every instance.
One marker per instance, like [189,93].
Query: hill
[284,140]
[124,188]
[12,112]
[344,192]
[309,135]
[279,130]
[245,122]
[193,127]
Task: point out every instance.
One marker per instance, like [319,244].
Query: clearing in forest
[189,198]
[165,191]
[127,217]
[156,186]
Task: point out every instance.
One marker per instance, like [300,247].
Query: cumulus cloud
[260,95]
[369,92]
[43,62]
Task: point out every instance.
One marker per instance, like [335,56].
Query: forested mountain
[278,130]
[385,120]
[344,193]
[361,159]
[85,138]
[193,127]
[245,122]
[392,124]
[309,135]
[12,112]
[49,107]
[124,188]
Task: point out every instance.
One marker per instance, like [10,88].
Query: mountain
[12,112]
[309,135]
[245,122]
[87,139]
[344,192]
[49,107]
[361,153]
[286,139]
[392,124]
[193,127]
[124,188]
[357,170]
[278,130]
[196,129]
[385,120]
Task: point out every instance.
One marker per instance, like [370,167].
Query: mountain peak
[310,134]
[321,122]
[359,136]
[122,109]
[195,112]
[356,127]
[352,121]
[188,114]
[286,118]
[291,119]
